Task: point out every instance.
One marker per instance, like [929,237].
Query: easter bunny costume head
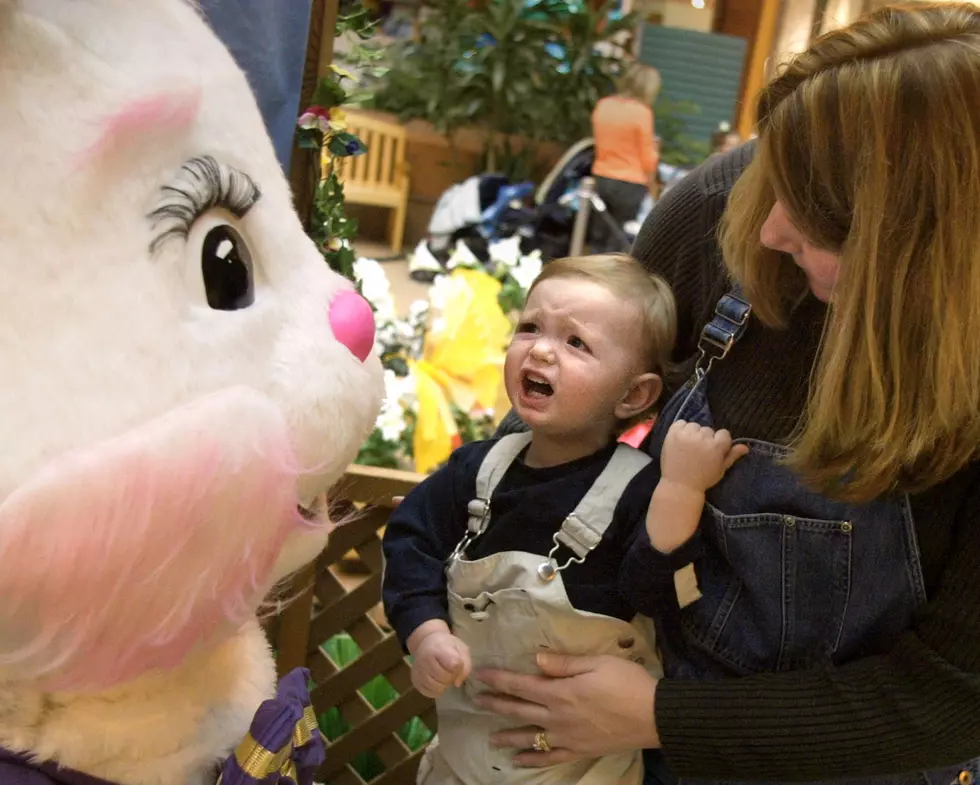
[182,380]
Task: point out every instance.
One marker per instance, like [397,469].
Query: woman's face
[820,265]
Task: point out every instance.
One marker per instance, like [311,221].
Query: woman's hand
[586,706]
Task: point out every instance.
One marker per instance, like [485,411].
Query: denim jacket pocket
[774,590]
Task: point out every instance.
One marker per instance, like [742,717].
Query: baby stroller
[486,208]
[479,211]
[550,226]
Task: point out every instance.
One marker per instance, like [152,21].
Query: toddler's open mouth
[536,386]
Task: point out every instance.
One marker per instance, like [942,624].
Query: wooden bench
[333,602]
[378,178]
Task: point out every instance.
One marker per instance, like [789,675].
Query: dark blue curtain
[268,40]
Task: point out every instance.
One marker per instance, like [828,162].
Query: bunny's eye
[226,267]
[202,206]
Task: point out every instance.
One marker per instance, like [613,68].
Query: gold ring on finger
[541,742]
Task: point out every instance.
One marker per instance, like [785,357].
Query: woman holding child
[836,634]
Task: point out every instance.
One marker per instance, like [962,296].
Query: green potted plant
[512,68]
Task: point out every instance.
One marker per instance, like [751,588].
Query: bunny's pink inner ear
[126,556]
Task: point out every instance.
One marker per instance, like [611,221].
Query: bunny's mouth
[316,512]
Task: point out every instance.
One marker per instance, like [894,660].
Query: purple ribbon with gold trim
[284,743]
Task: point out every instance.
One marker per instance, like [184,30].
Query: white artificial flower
[418,311]
[404,330]
[368,270]
[399,393]
[392,334]
[506,253]
[387,329]
[442,289]
[462,256]
[383,338]
[375,287]
[527,270]
[406,392]
[391,423]
[405,386]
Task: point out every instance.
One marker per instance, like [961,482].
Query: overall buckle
[719,335]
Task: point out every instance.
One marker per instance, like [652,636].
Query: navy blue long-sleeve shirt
[528,507]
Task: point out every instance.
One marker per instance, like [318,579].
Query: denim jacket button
[789,520]
[846,527]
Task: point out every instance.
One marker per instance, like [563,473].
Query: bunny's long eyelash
[199,185]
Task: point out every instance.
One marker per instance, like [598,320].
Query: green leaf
[329,93]
[332,724]
[499,75]
[307,141]
[344,145]
[415,734]
[511,86]
[345,258]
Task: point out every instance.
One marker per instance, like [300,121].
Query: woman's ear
[643,393]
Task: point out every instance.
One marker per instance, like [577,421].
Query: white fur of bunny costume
[180,374]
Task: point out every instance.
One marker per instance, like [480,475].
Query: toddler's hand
[442,660]
[697,456]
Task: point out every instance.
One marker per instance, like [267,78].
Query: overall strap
[585,526]
[494,467]
[728,324]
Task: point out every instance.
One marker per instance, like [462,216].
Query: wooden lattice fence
[375,722]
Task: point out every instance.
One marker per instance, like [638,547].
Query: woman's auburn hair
[871,141]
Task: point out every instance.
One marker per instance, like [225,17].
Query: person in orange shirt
[625,152]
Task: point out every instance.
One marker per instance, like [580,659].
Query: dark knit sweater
[917,707]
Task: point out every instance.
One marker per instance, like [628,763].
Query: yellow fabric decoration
[305,728]
[258,762]
[462,363]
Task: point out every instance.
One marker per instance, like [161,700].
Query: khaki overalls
[511,605]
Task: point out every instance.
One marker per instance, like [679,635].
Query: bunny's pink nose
[352,322]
